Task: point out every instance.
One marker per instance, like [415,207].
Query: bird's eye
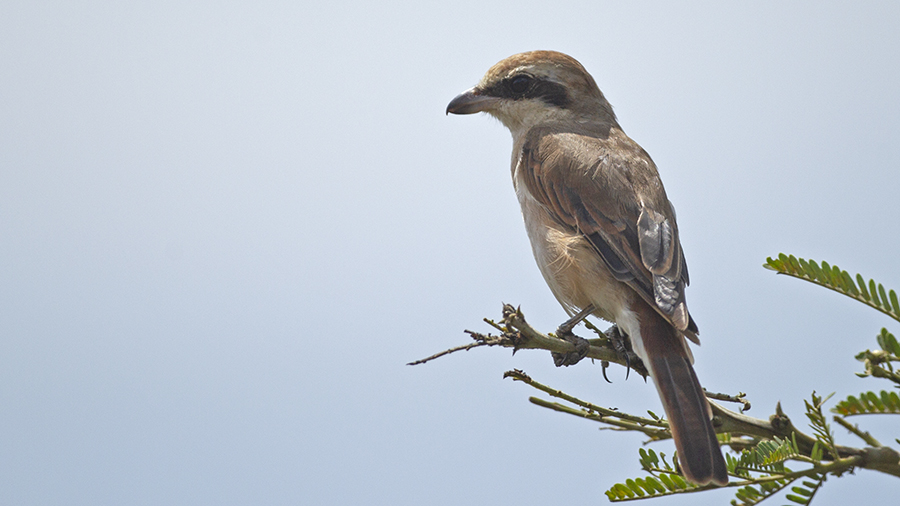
[520,83]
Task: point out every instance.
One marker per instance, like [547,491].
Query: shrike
[602,230]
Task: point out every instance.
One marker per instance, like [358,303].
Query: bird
[602,229]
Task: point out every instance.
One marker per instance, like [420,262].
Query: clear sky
[227,226]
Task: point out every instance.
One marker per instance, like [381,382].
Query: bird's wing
[607,188]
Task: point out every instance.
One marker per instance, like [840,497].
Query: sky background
[226,228]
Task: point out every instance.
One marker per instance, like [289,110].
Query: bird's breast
[574,271]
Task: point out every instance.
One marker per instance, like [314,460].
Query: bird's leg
[581,344]
[618,340]
[568,325]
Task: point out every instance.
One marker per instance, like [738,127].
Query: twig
[655,434]
[865,436]
[740,398]
[465,347]
[602,412]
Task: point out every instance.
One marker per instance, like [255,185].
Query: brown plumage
[601,227]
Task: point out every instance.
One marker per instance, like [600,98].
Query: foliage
[869,403]
[831,276]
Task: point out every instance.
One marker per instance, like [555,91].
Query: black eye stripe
[524,86]
[550,92]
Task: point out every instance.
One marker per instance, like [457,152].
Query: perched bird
[602,229]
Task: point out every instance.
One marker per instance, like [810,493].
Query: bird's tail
[683,399]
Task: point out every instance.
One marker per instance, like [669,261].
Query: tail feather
[683,399]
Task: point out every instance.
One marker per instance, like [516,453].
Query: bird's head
[535,88]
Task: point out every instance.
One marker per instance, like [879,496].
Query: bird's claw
[573,357]
[618,342]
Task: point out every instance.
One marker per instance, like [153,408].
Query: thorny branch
[518,334]
[744,431]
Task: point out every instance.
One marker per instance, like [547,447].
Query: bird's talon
[618,342]
[573,357]
[603,366]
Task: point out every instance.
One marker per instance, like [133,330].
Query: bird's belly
[573,270]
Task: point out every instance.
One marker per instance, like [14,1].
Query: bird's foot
[573,357]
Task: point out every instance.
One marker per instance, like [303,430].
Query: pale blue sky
[227,227]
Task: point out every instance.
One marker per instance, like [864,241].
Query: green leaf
[635,487]
[834,278]
[664,478]
[862,287]
[622,491]
[648,459]
[767,457]
[875,401]
[869,403]
[661,481]
[810,268]
[826,270]
[665,463]
[660,489]
[888,342]
[793,264]
[755,494]
[650,485]
[848,285]
[785,261]
[891,401]
[884,298]
[801,491]
[806,493]
[864,402]
[819,424]
[816,452]
[793,498]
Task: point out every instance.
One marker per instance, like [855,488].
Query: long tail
[683,400]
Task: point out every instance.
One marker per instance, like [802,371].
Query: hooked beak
[470,102]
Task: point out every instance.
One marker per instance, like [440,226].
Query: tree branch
[517,333]
[883,459]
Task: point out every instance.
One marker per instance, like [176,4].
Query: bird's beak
[470,102]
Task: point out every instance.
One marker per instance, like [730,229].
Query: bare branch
[740,398]
[465,347]
[655,428]
[518,334]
